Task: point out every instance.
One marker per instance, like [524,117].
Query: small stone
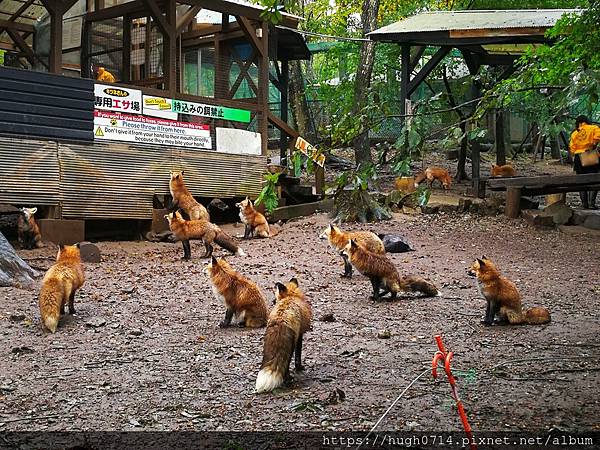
[327,317]
[17,317]
[384,334]
[90,253]
[95,322]
[136,332]
[128,290]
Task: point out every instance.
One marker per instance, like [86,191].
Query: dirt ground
[144,351]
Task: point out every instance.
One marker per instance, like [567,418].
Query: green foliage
[401,165]
[268,195]
[351,197]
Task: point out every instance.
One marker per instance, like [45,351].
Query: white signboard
[148,130]
[114,98]
[230,140]
[159,107]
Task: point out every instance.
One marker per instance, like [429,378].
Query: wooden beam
[283,126]
[404,78]
[250,32]
[283,89]
[132,8]
[414,60]
[157,15]
[244,67]
[186,18]
[16,26]
[23,46]
[498,32]
[427,69]
[263,88]
[126,52]
[170,48]
[56,35]
[471,60]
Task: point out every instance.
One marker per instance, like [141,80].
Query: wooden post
[500,138]
[319,179]
[263,88]
[284,84]
[126,52]
[513,202]
[56,34]
[170,48]
[404,79]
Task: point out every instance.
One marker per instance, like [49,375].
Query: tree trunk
[299,104]
[362,150]
[500,138]
[461,173]
[13,270]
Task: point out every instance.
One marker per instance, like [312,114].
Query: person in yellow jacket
[585,137]
[105,76]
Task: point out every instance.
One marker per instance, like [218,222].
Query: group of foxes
[432,174]
[291,315]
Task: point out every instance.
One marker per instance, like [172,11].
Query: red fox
[503,171]
[338,240]
[383,274]
[207,232]
[28,231]
[59,286]
[182,198]
[434,173]
[242,298]
[255,223]
[288,321]
[502,297]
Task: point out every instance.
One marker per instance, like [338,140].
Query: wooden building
[198,85]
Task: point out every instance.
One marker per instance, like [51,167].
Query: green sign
[2,52]
[212,111]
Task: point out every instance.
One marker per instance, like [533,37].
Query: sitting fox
[242,297]
[502,297]
[434,173]
[503,171]
[255,224]
[27,229]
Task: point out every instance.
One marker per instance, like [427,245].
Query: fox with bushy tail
[288,321]
[59,286]
[383,274]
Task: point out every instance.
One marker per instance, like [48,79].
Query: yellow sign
[310,150]
[99,132]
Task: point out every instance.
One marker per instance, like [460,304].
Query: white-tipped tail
[267,380]
[51,323]
[416,185]
[241,252]
[439,294]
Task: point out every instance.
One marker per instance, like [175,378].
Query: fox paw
[346,275]
[223,325]
[299,368]
[486,323]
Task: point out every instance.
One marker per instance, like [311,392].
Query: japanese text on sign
[113,98]
[310,151]
[214,112]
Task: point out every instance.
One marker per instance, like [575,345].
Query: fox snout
[471,273]
[322,236]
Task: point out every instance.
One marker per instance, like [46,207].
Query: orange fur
[383,274]
[503,171]
[502,296]
[28,231]
[207,232]
[183,198]
[288,321]
[434,173]
[256,223]
[338,239]
[59,286]
[242,297]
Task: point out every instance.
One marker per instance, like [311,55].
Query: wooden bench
[515,187]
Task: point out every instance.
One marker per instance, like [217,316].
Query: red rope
[446,357]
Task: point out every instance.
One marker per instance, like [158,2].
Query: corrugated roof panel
[474,20]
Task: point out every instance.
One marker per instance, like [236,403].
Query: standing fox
[338,239]
[59,286]
[289,320]
[255,223]
[434,173]
[383,274]
[28,231]
[182,198]
[207,232]
[502,297]
[243,299]
[503,171]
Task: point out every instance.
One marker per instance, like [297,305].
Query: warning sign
[135,128]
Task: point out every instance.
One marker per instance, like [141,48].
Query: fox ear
[280,288]
[78,245]
[33,210]
[481,262]
[294,281]
[214,261]
[61,247]
[485,257]
[182,172]
[353,243]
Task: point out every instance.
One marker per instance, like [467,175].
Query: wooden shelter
[490,37]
